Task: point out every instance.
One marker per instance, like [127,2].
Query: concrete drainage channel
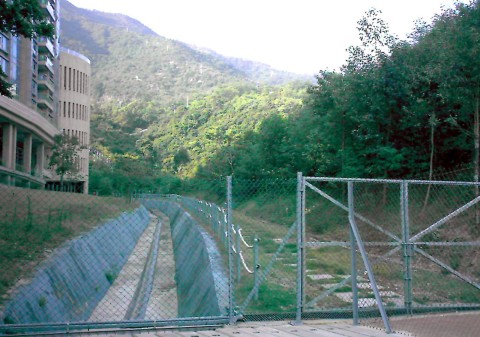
[152,285]
[138,305]
[129,297]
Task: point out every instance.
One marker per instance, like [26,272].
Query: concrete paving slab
[316,277]
[267,329]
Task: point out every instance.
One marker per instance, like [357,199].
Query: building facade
[51,90]
[73,115]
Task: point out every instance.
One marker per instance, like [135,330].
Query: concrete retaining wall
[202,285]
[70,284]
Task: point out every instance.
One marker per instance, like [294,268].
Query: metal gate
[374,249]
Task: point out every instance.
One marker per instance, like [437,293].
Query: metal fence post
[231,313]
[354,277]
[215,220]
[256,264]
[238,247]
[407,247]
[300,247]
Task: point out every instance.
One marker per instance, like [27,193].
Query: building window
[65,78]
[34,88]
[13,60]
[4,65]
[34,48]
[4,43]
[69,78]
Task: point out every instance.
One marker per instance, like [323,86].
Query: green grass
[429,287]
[344,289]
[110,276]
[272,298]
[329,260]
[42,302]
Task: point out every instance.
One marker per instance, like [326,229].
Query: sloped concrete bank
[71,283]
[202,285]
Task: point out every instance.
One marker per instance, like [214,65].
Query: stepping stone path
[388,297]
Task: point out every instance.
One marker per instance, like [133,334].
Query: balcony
[45,62]
[48,6]
[45,45]
[45,102]
[45,82]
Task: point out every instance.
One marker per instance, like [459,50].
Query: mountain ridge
[130,61]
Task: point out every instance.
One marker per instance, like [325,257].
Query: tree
[22,18]
[64,158]
[180,158]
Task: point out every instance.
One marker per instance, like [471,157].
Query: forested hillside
[130,61]
[400,109]
[397,109]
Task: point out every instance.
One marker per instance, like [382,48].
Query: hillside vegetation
[397,109]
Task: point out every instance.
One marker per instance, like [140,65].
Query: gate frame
[407,243]
[355,238]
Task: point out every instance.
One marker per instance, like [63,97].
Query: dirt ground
[439,325]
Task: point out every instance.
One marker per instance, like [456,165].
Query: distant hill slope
[259,72]
[130,61]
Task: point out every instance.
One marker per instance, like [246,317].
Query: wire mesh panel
[328,284]
[420,240]
[36,225]
[337,282]
[265,246]
[443,245]
[77,261]
[378,215]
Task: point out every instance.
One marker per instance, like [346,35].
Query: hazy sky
[301,36]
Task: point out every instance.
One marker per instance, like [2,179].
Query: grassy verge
[33,223]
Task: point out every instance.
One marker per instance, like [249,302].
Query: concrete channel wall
[202,285]
[70,284]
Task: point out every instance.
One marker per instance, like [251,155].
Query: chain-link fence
[414,263]
[241,249]
[79,262]
[265,242]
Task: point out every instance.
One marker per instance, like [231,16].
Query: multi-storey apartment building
[51,89]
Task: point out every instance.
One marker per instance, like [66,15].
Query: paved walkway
[267,329]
